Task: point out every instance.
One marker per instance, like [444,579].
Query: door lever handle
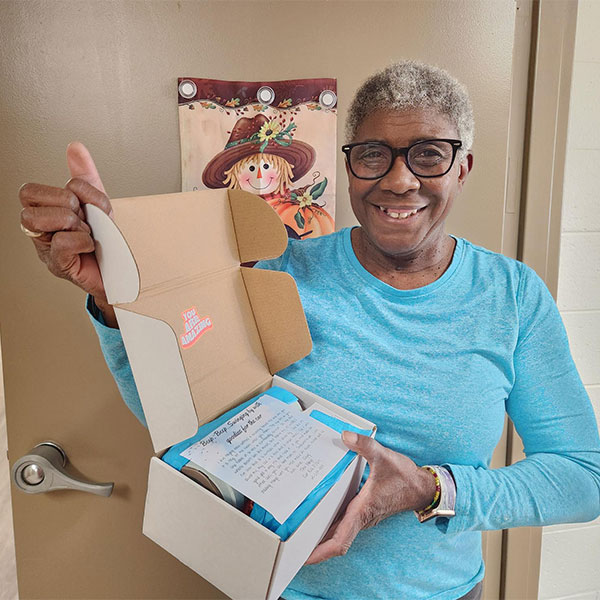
[43,470]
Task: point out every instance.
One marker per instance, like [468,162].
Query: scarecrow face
[259,176]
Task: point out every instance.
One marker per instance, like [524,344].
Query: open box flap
[259,231]
[202,333]
[279,316]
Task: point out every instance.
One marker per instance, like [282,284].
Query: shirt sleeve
[275,264]
[559,480]
[111,344]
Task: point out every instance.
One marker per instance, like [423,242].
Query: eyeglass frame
[396,152]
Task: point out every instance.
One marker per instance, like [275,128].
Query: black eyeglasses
[428,158]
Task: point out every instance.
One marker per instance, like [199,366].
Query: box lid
[202,332]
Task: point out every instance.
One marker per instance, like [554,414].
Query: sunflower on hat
[270,130]
[253,137]
[263,158]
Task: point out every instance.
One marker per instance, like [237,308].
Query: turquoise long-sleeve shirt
[437,368]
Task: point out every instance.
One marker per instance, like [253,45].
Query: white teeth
[396,215]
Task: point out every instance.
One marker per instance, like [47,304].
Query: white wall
[570,565]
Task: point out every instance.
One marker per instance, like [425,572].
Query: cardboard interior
[191,262]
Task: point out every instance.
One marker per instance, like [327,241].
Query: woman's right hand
[66,245]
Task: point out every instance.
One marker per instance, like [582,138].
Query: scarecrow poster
[273,139]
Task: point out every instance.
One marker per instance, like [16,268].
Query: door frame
[553,26]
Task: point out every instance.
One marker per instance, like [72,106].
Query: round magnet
[327,99]
[265,94]
[187,89]
[201,478]
[214,484]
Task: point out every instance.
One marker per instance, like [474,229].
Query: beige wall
[570,566]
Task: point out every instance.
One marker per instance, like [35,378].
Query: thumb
[81,165]
[361,444]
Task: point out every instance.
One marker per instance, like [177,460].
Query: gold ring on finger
[29,233]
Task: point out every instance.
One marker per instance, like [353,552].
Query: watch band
[447,501]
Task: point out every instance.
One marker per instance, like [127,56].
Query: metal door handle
[42,470]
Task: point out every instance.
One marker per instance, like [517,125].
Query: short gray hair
[408,85]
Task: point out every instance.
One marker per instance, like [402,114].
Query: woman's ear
[466,164]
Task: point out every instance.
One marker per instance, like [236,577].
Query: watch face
[434,512]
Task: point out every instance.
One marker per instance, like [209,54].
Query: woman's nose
[400,179]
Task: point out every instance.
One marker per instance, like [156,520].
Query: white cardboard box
[162,259]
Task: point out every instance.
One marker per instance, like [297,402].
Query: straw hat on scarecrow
[258,135]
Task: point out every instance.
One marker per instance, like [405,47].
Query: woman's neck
[404,272]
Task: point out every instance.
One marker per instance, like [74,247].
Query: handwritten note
[271,453]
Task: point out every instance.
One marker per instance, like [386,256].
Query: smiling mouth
[398,213]
[263,187]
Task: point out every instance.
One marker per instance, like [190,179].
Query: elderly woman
[425,334]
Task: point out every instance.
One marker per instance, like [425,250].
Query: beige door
[105,73]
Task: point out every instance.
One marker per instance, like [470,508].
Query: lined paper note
[271,453]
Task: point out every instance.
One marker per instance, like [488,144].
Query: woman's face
[400,191]
[259,177]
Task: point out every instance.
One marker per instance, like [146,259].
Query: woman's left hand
[395,484]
